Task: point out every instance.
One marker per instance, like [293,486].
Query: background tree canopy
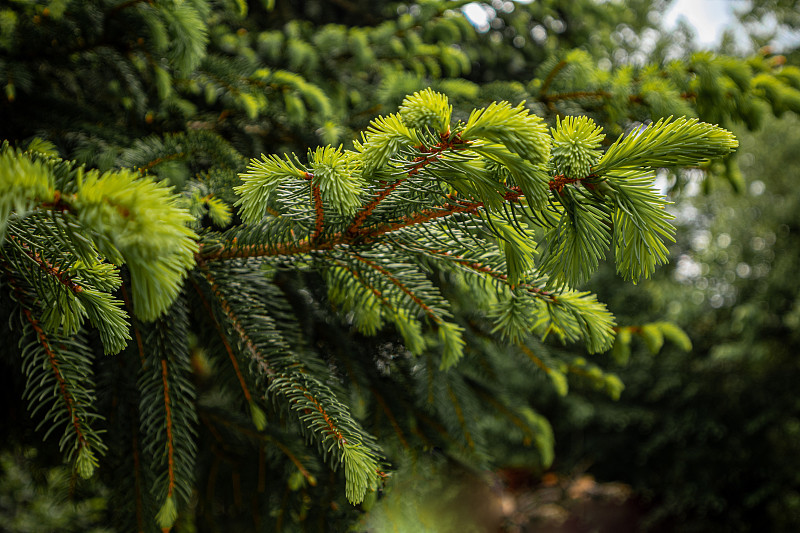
[231,337]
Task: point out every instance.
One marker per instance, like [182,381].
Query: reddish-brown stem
[478,267]
[550,77]
[378,294]
[170,441]
[332,429]
[559,182]
[432,154]
[391,418]
[236,323]
[226,344]
[62,383]
[59,203]
[41,336]
[538,362]
[46,266]
[159,160]
[265,367]
[370,207]
[426,216]
[320,213]
[400,285]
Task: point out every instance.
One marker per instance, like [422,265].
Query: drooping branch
[170,436]
[52,358]
[281,380]
[240,330]
[44,265]
[477,267]
[400,285]
[228,349]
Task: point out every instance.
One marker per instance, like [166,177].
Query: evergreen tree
[292,324]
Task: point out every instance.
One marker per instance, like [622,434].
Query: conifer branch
[370,207]
[62,277]
[559,182]
[377,293]
[478,267]
[573,95]
[318,410]
[550,77]
[52,359]
[228,349]
[460,416]
[538,362]
[53,362]
[226,308]
[424,216]
[399,284]
[167,413]
[170,437]
[155,162]
[508,413]
[261,437]
[390,416]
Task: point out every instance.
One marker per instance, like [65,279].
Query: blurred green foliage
[710,437]
[35,498]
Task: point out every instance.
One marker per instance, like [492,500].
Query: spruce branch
[167,415]
[366,211]
[321,415]
[667,143]
[257,414]
[54,362]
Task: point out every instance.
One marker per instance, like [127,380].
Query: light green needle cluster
[141,223]
[427,109]
[385,136]
[576,143]
[334,173]
[260,181]
[667,143]
[516,128]
[22,182]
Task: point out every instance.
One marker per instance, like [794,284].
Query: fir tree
[292,324]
